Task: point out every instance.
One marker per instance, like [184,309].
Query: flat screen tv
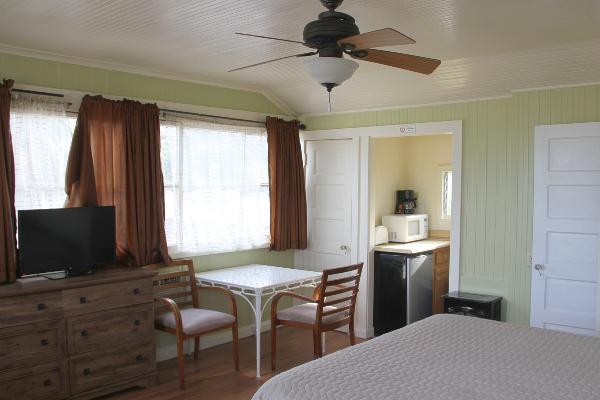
[74,240]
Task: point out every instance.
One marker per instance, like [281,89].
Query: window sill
[177,253]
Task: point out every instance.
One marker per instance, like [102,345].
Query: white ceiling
[487,47]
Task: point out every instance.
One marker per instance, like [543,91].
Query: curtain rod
[40,93]
[162,109]
[212,116]
[302,126]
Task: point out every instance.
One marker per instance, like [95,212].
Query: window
[41,134]
[446,194]
[216,186]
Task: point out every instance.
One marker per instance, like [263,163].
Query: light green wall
[52,74]
[497,186]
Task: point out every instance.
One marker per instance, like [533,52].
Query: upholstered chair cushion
[307,313]
[196,320]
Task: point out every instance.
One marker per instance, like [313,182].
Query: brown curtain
[8,256]
[287,186]
[115,160]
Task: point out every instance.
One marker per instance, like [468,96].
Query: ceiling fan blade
[268,37]
[380,38]
[422,65]
[275,59]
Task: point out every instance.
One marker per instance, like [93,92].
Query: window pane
[169,142]
[171,216]
[222,196]
[41,144]
[169,147]
[446,194]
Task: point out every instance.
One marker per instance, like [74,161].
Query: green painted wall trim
[497,187]
[58,75]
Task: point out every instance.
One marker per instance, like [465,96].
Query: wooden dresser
[77,338]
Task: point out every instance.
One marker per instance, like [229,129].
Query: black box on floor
[474,305]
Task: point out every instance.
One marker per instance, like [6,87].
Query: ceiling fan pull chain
[329,104]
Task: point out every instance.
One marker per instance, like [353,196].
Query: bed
[452,358]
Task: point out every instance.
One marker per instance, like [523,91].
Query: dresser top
[102,276]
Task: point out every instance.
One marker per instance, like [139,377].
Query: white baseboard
[365,333]
[170,351]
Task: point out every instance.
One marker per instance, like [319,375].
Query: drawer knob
[84,333]
[136,322]
[47,382]
[136,291]
[44,342]
[87,371]
[41,306]
[139,357]
[82,300]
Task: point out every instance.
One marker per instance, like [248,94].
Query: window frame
[446,209]
[176,250]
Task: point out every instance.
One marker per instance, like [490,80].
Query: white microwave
[404,228]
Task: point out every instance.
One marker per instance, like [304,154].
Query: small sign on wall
[408,128]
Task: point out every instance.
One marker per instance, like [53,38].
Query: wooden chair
[331,307]
[177,310]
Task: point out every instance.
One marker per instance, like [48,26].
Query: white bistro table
[252,282]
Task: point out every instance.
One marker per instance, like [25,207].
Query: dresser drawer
[96,369]
[45,381]
[103,329]
[442,256]
[105,297]
[31,308]
[31,344]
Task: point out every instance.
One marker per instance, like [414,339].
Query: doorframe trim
[363,135]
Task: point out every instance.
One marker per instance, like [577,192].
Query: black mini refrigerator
[402,290]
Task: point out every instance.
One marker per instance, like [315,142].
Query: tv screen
[65,239]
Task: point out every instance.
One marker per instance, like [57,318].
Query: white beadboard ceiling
[487,47]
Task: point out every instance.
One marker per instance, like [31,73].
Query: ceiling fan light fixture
[330,71]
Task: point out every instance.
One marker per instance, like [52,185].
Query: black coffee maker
[406,202]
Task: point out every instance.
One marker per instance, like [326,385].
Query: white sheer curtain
[216,186]
[41,133]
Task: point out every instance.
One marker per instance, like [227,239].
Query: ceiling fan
[335,34]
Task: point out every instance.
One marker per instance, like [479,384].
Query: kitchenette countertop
[420,246]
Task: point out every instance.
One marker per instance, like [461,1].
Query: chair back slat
[177,285]
[338,310]
[339,286]
[336,282]
[339,291]
[335,301]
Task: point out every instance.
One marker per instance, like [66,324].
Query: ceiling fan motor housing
[324,33]
[331,4]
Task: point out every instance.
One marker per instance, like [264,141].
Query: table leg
[258,322]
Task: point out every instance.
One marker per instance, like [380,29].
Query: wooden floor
[213,376]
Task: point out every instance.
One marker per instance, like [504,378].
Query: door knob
[345,248]
[539,268]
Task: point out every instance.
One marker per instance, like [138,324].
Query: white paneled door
[331,190]
[566,228]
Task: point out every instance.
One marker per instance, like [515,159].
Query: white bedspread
[451,358]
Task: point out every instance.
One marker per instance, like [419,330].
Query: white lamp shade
[330,69]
